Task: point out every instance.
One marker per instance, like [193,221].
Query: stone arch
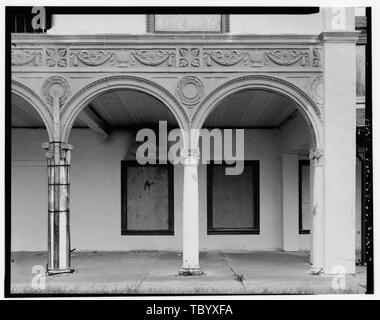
[308,108]
[37,103]
[81,98]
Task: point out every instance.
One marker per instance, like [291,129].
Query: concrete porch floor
[156,272]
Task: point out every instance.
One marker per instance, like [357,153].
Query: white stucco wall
[260,145]
[276,24]
[295,138]
[136,24]
[29,191]
[95,195]
[95,192]
[98,24]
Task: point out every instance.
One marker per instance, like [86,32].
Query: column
[58,162]
[317,232]
[311,207]
[290,202]
[190,252]
[339,46]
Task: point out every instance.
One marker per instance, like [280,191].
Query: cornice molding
[340,36]
[166,39]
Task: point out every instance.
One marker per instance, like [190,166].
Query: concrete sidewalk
[156,272]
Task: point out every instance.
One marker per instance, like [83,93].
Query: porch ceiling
[126,108]
[251,108]
[117,109]
[23,114]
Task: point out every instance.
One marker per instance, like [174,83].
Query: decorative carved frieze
[90,57]
[23,57]
[317,58]
[155,57]
[58,86]
[190,90]
[257,58]
[56,57]
[171,57]
[224,57]
[262,57]
[289,57]
[123,58]
[189,57]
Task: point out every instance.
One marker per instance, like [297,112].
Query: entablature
[166,53]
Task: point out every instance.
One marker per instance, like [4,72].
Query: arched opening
[302,102]
[121,203]
[28,169]
[266,204]
[95,89]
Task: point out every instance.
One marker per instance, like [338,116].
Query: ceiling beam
[293,115]
[94,122]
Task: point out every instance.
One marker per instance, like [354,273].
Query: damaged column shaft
[58,161]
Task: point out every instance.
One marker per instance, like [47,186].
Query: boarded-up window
[233,200]
[304,197]
[147,199]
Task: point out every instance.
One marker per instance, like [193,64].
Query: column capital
[315,154]
[315,210]
[64,149]
[190,156]
[64,145]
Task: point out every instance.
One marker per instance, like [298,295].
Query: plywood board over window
[147,199]
[233,200]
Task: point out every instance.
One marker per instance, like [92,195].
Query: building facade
[83,89]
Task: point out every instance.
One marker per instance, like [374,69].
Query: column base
[191,272]
[52,272]
[314,270]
